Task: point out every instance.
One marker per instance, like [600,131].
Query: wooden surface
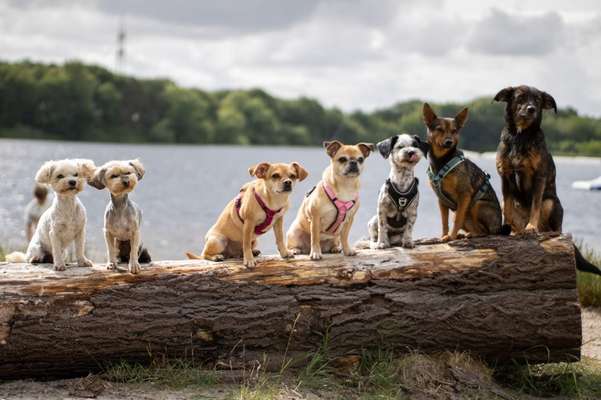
[498,297]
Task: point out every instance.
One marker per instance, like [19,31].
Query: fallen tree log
[500,298]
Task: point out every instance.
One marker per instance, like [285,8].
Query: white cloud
[347,53]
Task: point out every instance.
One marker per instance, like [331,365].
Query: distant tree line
[82,102]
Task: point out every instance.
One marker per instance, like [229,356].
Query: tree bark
[500,298]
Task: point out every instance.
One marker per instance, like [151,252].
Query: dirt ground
[93,387]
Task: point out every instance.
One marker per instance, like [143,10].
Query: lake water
[186,187]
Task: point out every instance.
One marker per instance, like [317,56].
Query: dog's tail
[505,230]
[193,256]
[16,257]
[582,264]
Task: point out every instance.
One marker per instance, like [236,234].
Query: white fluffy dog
[65,221]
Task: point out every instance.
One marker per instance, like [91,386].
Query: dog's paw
[250,263]
[335,250]
[256,252]
[218,258]
[287,255]
[295,251]
[315,255]
[59,267]
[350,252]
[134,268]
[408,244]
[446,238]
[381,245]
[111,265]
[85,263]
[530,228]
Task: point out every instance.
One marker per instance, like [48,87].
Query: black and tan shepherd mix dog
[461,186]
[527,170]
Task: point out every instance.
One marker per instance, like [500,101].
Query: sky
[352,54]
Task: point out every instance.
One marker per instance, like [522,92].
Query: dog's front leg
[57,252]
[383,238]
[347,250]
[407,240]
[463,203]
[278,230]
[315,235]
[134,246]
[247,239]
[111,251]
[508,201]
[80,248]
[444,218]
[537,200]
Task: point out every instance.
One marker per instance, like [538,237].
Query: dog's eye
[342,160]
[75,175]
[360,159]
[275,176]
[292,176]
[114,176]
[60,176]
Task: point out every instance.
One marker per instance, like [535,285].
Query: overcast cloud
[347,53]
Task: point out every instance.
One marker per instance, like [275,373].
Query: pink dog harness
[269,213]
[342,208]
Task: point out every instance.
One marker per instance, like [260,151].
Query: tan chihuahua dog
[260,206]
[324,220]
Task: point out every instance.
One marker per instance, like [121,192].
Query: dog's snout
[410,153]
[531,109]
[72,182]
[125,183]
[287,185]
[448,142]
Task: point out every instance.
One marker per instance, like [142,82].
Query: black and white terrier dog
[398,199]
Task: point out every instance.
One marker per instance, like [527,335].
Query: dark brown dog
[527,170]
[459,184]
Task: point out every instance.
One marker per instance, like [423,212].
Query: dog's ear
[86,168]
[332,147]
[423,146]
[45,172]
[301,172]
[549,102]
[97,180]
[385,146]
[138,167]
[259,170]
[461,118]
[429,115]
[366,148]
[504,94]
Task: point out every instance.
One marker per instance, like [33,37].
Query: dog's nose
[410,153]
[531,109]
[448,142]
[125,183]
[287,185]
[72,182]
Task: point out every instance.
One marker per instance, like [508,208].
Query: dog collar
[269,213]
[342,208]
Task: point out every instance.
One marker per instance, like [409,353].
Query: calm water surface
[186,187]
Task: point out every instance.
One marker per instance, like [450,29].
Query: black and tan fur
[476,218]
[527,170]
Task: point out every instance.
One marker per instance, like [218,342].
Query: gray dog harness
[437,178]
[401,200]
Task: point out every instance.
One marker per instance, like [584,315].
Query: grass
[381,375]
[589,285]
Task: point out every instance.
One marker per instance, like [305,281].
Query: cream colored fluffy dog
[122,217]
[65,221]
[260,206]
[326,215]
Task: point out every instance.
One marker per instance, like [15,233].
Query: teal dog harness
[437,178]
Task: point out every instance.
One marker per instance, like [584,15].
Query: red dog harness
[342,208]
[269,213]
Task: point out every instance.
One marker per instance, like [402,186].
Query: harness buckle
[402,202]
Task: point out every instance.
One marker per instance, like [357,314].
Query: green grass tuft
[589,285]
[174,374]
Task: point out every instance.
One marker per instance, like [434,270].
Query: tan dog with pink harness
[326,215]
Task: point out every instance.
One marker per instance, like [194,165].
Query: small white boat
[594,184]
